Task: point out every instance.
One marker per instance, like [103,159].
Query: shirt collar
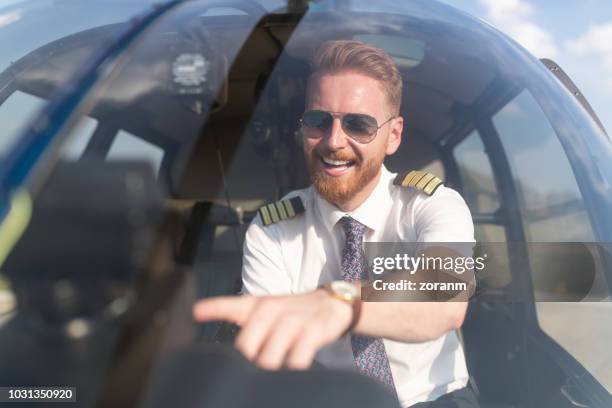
[372,212]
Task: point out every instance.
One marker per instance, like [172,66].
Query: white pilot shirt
[300,254]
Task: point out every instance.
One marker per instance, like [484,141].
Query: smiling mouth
[336,164]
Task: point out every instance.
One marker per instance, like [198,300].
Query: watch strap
[355,305]
[356,315]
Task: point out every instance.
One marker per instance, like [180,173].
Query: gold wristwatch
[349,293]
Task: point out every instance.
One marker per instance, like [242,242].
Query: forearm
[411,318]
[410,321]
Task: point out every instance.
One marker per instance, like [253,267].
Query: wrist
[347,294]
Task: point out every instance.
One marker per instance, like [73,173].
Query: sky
[576,34]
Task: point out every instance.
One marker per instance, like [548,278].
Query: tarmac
[584,329]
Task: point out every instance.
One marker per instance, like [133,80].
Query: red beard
[339,190]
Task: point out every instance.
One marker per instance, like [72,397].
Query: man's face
[343,170]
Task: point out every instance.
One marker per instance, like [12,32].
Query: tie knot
[352,228]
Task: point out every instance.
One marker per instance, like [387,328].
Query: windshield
[39,51]
[197,124]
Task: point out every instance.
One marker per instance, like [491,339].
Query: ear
[395,136]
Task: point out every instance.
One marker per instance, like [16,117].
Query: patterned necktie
[369,352]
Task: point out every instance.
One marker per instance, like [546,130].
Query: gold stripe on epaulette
[410,177]
[281,210]
[265,216]
[415,180]
[431,187]
[289,208]
[421,180]
[424,180]
[273,213]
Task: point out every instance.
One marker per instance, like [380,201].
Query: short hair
[341,56]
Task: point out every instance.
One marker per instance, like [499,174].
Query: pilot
[303,256]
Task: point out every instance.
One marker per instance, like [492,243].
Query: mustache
[338,157]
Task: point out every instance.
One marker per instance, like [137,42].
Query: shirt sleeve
[263,271]
[443,217]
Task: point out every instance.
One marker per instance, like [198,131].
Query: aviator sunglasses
[358,126]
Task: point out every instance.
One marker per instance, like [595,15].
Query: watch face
[345,289]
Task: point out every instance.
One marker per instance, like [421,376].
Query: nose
[336,139]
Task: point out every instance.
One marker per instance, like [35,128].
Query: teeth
[336,162]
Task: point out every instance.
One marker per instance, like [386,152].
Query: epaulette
[281,210]
[421,180]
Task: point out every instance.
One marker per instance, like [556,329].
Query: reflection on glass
[406,52]
[479,189]
[554,211]
[15,112]
[129,147]
[7,299]
[226,156]
[498,258]
[489,233]
[79,138]
[549,195]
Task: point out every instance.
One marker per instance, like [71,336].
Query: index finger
[234,309]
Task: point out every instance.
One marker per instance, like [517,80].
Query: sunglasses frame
[341,116]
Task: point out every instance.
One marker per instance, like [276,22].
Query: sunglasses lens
[356,125]
[359,126]
[317,120]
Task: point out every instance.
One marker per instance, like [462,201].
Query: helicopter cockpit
[195,108]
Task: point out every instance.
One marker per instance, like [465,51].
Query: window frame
[511,218]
